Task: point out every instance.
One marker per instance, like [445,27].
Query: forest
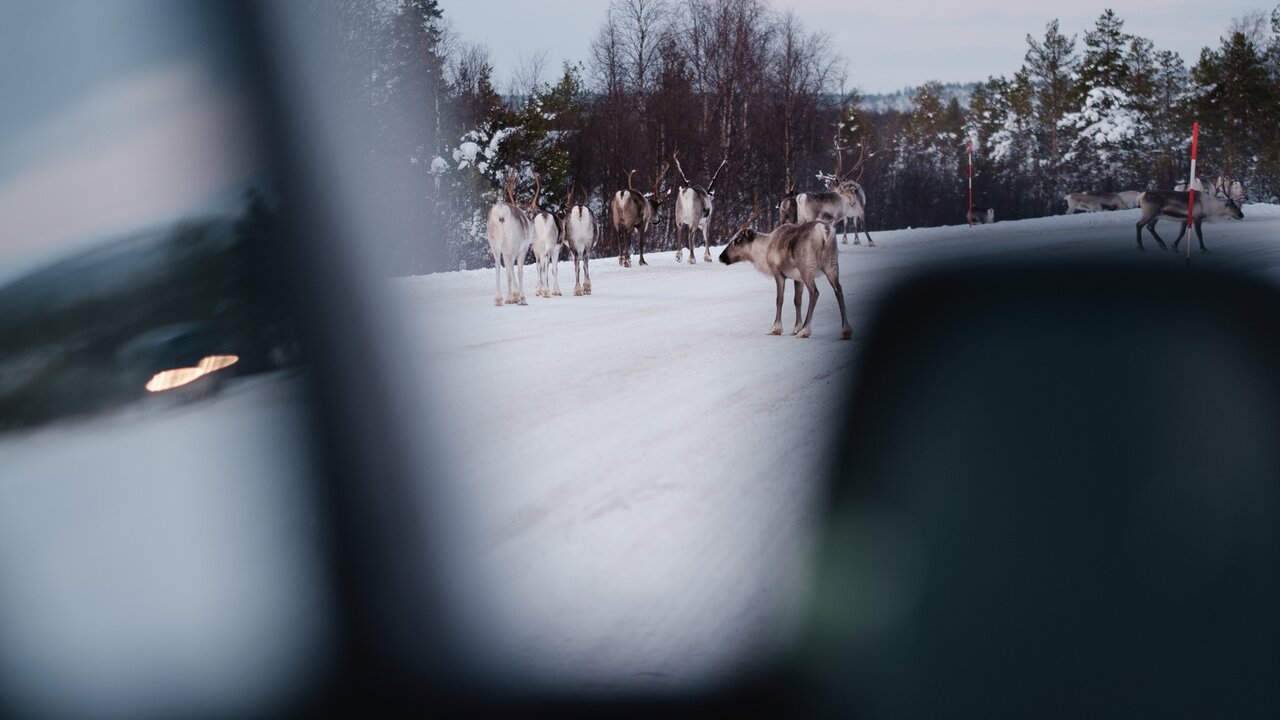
[744,81]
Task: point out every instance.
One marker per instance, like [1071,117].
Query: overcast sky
[888,45]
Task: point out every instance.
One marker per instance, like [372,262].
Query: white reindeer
[510,232]
[796,252]
[693,211]
[580,233]
[546,244]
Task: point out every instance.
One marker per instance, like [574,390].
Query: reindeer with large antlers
[546,244]
[844,199]
[693,211]
[510,232]
[796,252]
[631,210]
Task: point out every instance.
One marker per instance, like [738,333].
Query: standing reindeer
[630,210]
[510,232]
[546,244]
[693,211]
[844,200]
[787,207]
[1174,204]
[797,252]
[580,234]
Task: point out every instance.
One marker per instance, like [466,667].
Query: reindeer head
[739,246]
[654,197]
[788,212]
[1233,210]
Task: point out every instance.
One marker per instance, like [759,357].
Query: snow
[640,466]
[638,470]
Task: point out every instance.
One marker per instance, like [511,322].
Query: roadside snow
[640,465]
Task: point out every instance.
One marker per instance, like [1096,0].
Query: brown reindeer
[1172,203]
[633,211]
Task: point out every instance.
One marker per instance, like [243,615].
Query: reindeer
[1174,204]
[1093,202]
[787,206]
[629,210]
[980,215]
[1222,186]
[580,234]
[693,211]
[510,232]
[843,200]
[797,252]
[546,244]
[1129,199]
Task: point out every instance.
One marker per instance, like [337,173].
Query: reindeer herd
[801,247]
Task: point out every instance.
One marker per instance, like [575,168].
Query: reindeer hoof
[577,292]
[693,260]
[857,242]
[556,293]
[586,288]
[870,243]
[497,300]
[775,330]
[642,262]
[679,257]
[846,333]
[1204,251]
[706,258]
[804,333]
[844,241]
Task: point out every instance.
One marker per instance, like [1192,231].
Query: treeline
[742,81]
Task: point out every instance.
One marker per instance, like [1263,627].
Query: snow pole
[970,215]
[1191,187]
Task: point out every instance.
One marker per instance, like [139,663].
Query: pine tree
[1237,105]
[1049,66]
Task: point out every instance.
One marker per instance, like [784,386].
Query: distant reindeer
[787,206]
[510,232]
[1093,202]
[1174,204]
[630,210]
[1222,186]
[844,200]
[546,244]
[796,252]
[580,233]
[693,211]
[981,215]
[1129,199]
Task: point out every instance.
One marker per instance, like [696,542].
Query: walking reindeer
[693,211]
[844,199]
[546,244]
[631,210]
[1173,203]
[510,232]
[580,233]
[798,253]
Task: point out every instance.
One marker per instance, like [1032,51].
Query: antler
[586,197]
[711,185]
[537,190]
[568,203]
[511,186]
[629,186]
[657,181]
[753,217]
[676,156]
[862,153]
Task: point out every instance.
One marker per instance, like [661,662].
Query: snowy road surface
[640,465]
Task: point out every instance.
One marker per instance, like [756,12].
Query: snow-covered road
[640,465]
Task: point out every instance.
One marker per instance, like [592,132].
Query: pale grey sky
[888,45]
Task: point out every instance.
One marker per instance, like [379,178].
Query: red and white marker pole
[970,216]
[1191,186]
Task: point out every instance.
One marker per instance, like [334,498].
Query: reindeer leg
[508,264]
[586,270]
[833,277]
[497,279]
[555,269]
[799,294]
[844,227]
[781,283]
[706,242]
[1200,237]
[1141,224]
[812,287]
[577,274]
[870,243]
[680,245]
[520,262]
[693,238]
[857,239]
[640,235]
